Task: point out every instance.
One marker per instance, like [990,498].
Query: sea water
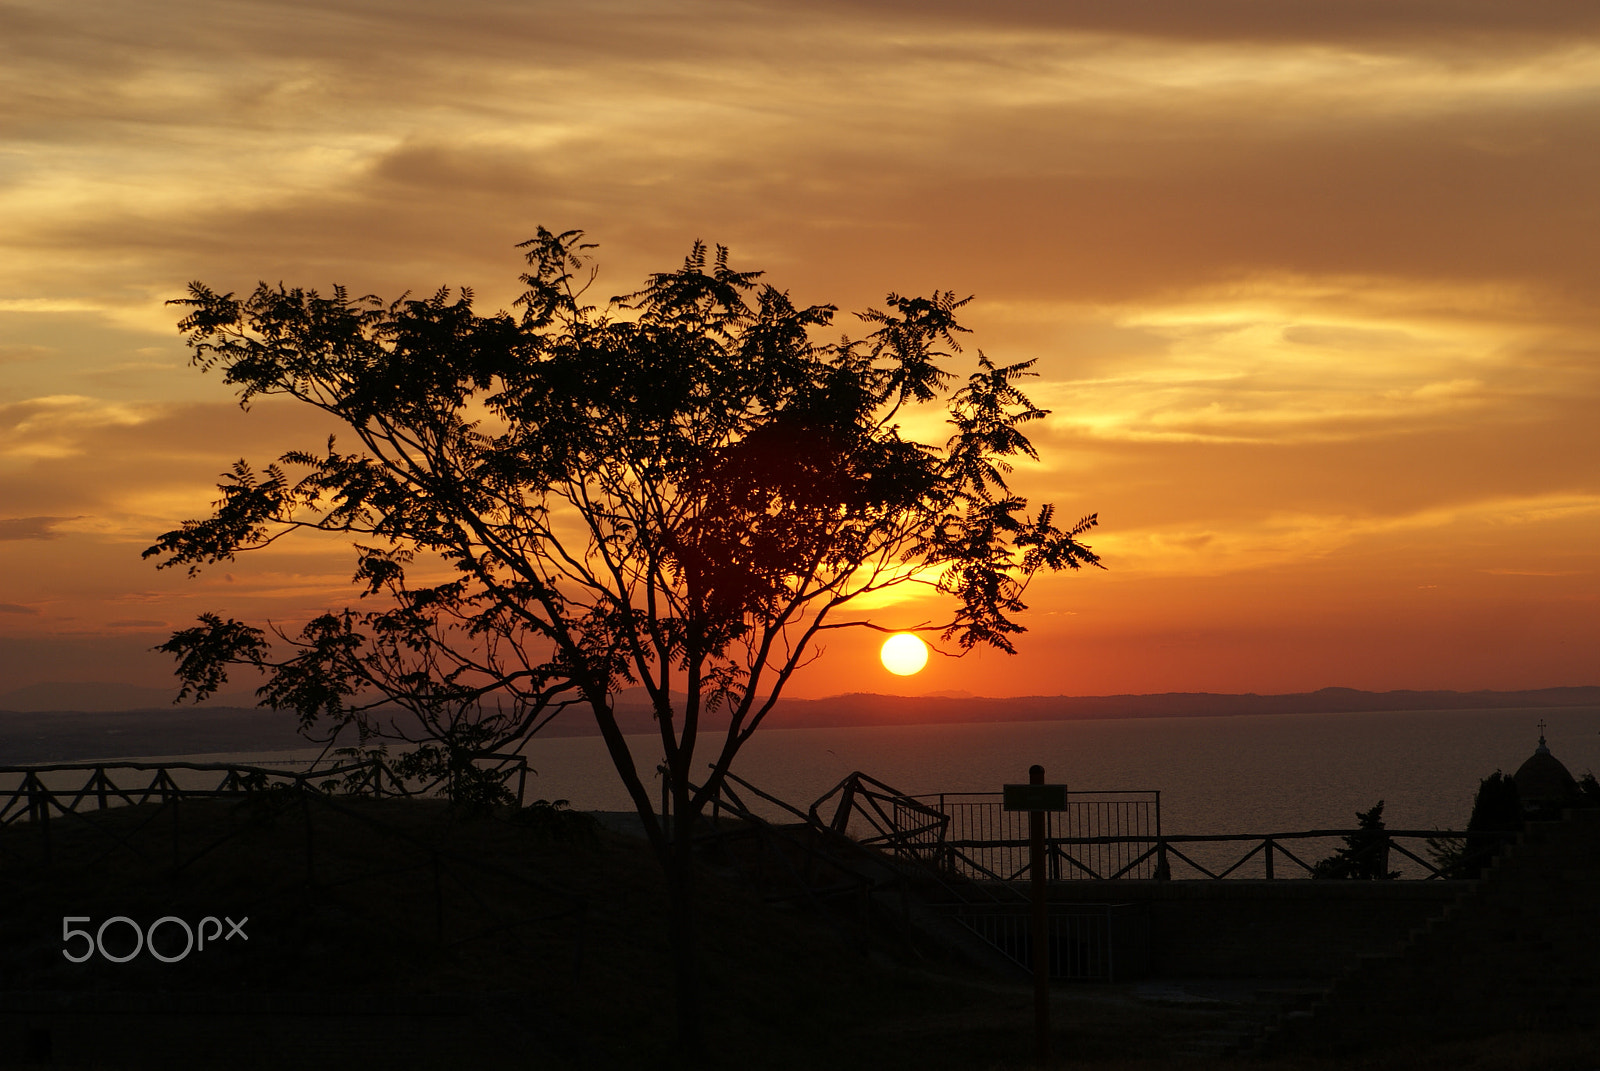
[1243,774]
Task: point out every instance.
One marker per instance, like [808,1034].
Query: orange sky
[1312,288]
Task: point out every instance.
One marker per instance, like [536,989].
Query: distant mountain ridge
[85,696]
[33,736]
[869,709]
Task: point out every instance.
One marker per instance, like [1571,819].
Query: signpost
[1036,798]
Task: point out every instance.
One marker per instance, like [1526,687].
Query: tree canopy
[678,490]
[1365,853]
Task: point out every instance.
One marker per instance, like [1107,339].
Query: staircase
[1520,950]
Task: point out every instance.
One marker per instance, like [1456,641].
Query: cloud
[13,608]
[30,527]
[1477,24]
[1127,164]
[1275,538]
[47,305]
[56,425]
[122,481]
[1535,572]
[12,353]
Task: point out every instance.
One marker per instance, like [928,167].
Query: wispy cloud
[1553,573]
[55,426]
[31,527]
[1276,539]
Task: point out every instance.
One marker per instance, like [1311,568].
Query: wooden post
[1269,859]
[847,799]
[1041,922]
[1038,798]
[39,809]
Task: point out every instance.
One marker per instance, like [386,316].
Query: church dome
[1543,779]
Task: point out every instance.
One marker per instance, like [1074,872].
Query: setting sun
[903,654]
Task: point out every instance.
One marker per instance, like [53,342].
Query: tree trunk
[680,924]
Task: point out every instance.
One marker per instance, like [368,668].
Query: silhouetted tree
[682,490]
[1496,811]
[1365,853]
[1497,808]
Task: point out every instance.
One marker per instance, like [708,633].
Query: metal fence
[1085,942]
[971,835]
[1116,835]
[1099,834]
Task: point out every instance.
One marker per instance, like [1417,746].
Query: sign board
[1035,797]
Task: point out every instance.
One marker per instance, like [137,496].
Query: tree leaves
[676,489]
[243,519]
[206,651]
[1365,854]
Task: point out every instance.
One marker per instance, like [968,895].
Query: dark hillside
[409,936]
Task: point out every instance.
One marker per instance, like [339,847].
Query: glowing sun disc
[903,654]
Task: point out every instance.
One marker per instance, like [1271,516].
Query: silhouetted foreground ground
[411,937]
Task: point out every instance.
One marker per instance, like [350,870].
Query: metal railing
[937,846]
[1116,835]
[970,834]
[985,841]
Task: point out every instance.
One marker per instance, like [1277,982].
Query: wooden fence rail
[32,799]
[1171,853]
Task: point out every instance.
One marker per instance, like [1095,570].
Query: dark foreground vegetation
[403,934]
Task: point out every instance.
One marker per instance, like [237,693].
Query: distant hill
[75,736]
[106,696]
[868,709]
[33,736]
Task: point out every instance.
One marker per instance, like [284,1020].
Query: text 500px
[125,932]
